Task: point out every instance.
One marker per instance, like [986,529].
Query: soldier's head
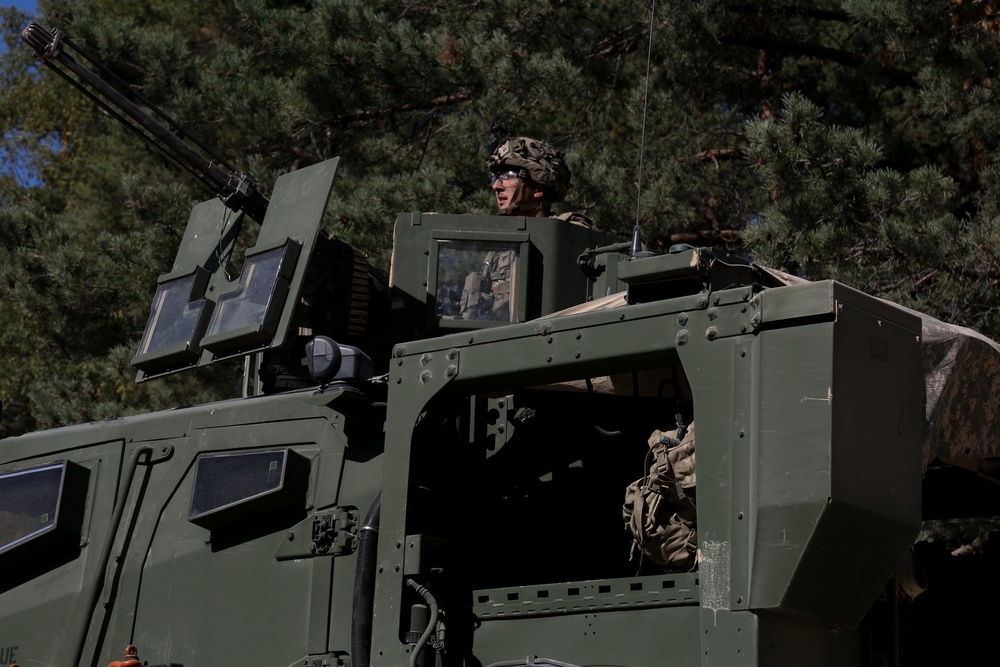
[527,175]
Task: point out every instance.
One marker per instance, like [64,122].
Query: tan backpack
[659,509]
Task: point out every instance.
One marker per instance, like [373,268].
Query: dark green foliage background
[850,140]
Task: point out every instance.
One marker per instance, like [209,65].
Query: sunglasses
[504,176]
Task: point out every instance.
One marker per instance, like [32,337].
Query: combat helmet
[539,161]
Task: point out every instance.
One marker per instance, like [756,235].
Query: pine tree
[837,140]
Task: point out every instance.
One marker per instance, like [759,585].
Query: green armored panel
[219,532]
[434,255]
[837,444]
[51,587]
[200,314]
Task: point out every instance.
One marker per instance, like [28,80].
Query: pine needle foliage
[852,140]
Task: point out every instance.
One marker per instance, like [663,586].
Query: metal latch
[335,533]
[330,532]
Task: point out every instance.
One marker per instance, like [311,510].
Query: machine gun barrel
[234,187]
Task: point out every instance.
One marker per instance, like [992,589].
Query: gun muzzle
[41,40]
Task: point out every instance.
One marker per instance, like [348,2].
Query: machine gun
[297,281]
[237,189]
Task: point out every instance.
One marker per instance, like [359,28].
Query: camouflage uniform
[487,294]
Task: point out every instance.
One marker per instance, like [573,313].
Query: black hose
[364,587]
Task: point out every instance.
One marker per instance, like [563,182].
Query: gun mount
[295,278]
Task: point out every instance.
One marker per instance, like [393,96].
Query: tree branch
[847,58]
[373,114]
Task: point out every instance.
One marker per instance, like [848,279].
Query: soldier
[527,175]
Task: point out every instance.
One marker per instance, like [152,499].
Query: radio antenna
[636,244]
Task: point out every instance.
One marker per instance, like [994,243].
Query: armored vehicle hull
[488,459]
[466,506]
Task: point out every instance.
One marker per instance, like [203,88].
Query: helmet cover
[542,163]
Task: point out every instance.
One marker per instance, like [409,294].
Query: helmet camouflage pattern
[542,163]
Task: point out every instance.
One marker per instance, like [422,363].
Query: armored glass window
[29,499]
[176,322]
[478,281]
[246,317]
[41,507]
[232,486]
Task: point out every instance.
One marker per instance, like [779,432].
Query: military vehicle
[402,486]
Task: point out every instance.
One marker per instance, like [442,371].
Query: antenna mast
[636,243]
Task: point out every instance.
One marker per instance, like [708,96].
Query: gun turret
[296,281]
[234,187]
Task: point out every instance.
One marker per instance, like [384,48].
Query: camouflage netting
[962,383]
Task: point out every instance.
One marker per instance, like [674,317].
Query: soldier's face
[504,187]
[513,191]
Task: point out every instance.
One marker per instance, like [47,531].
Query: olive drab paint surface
[405,485]
[499,453]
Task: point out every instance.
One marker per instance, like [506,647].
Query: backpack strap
[659,509]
